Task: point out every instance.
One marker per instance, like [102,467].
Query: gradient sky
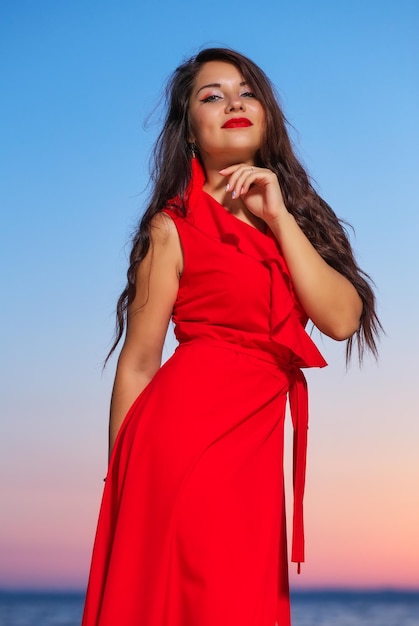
[79,81]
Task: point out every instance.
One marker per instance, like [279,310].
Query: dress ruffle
[287,339]
[284,338]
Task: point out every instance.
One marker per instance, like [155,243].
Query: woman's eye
[248,94]
[212,98]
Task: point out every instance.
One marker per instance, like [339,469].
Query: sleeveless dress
[192,529]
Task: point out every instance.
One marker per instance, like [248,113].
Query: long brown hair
[171,172]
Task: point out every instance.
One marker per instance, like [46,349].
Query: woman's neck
[215,184]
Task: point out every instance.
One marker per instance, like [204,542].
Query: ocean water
[40,608]
[317,608]
[350,608]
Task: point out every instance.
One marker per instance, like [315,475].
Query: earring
[194,149]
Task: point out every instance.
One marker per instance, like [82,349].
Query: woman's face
[226,121]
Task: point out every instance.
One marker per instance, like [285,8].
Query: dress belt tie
[298,401]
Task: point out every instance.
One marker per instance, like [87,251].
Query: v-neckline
[222,209]
[198,181]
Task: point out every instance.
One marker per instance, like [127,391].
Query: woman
[240,251]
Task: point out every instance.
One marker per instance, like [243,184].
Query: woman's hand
[328,298]
[259,190]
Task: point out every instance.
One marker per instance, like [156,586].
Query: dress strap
[298,400]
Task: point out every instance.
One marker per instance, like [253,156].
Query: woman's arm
[329,299]
[148,317]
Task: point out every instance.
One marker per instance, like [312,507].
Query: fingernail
[233,195]
[241,190]
[227,187]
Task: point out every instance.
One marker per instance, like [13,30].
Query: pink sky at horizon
[361,512]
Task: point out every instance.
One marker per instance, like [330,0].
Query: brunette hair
[171,172]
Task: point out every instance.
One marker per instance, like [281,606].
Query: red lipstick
[237,122]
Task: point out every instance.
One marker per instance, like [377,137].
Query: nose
[235,103]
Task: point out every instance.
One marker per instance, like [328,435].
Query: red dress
[191,530]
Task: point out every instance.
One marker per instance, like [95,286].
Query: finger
[231,173]
[242,180]
[256,176]
[226,171]
[248,179]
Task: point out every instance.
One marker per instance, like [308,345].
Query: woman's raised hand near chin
[258,188]
[328,298]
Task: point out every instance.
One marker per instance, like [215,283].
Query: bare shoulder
[163,229]
[166,241]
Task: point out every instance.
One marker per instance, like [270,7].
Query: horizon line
[347,589]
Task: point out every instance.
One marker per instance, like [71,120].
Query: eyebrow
[218,85]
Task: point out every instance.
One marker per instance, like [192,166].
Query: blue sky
[80,80]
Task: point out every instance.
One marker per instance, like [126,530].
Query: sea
[309,608]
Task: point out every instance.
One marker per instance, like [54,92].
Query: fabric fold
[285,337]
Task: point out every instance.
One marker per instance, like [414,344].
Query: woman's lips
[237,122]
